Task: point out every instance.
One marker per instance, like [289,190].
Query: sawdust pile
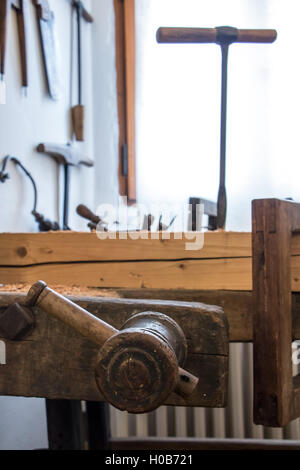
[75,291]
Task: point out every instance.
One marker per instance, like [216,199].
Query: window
[178,106]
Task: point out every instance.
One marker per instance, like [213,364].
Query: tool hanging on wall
[49,43]
[67,156]
[95,221]
[19,7]
[78,110]
[224,36]
[45,225]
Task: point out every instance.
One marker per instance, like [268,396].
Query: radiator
[234,421]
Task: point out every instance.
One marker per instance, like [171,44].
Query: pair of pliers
[18,6]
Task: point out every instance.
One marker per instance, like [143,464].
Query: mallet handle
[209,35]
[86,213]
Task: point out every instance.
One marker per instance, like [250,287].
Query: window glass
[178,105]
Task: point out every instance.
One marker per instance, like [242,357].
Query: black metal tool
[19,7]
[78,110]
[164,227]
[45,225]
[209,208]
[223,36]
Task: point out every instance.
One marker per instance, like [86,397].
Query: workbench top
[81,259]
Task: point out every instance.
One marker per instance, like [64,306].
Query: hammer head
[65,154]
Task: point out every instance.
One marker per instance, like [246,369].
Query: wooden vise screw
[139,366]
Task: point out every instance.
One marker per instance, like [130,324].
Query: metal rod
[222,199]
[66,197]
[78,11]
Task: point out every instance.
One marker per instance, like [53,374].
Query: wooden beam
[276,391]
[24,249]
[70,258]
[58,363]
[198,274]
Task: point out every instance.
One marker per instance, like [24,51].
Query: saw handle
[210,35]
[44,11]
[78,112]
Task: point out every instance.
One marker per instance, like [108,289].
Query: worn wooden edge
[237,305]
[175,309]
[48,347]
[176,443]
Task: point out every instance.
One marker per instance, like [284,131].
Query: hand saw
[49,44]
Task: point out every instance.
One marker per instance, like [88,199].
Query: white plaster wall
[24,123]
[105,104]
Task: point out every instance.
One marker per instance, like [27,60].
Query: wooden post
[276,393]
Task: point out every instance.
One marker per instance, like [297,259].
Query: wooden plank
[47,256]
[24,249]
[57,363]
[216,274]
[70,258]
[198,274]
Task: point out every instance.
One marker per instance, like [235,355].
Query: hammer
[68,156]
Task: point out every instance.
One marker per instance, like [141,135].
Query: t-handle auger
[223,36]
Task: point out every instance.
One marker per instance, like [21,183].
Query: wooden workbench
[81,259]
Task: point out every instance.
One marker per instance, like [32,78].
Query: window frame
[126,90]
